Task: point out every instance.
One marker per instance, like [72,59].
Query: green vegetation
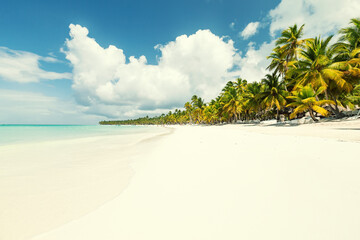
[309,75]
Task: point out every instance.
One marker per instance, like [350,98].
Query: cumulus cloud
[250,30]
[254,63]
[105,80]
[35,108]
[23,67]
[319,16]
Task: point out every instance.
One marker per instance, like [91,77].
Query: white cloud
[103,79]
[253,65]
[232,25]
[250,30]
[20,66]
[23,107]
[321,17]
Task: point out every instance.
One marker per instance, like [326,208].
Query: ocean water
[12,134]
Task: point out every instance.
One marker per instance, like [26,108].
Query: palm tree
[229,84]
[285,55]
[210,114]
[351,35]
[290,43]
[252,102]
[347,52]
[305,100]
[354,96]
[274,94]
[316,67]
[232,103]
[240,85]
[350,100]
[189,108]
[198,104]
[278,62]
[219,105]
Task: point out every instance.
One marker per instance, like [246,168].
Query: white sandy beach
[44,185]
[215,182]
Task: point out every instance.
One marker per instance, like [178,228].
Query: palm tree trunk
[335,110]
[312,115]
[283,77]
[331,107]
[338,113]
[316,96]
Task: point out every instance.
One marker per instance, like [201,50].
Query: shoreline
[52,134]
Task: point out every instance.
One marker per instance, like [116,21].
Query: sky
[79,62]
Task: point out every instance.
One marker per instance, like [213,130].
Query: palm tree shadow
[351,129]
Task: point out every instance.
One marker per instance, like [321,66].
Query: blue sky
[44,79]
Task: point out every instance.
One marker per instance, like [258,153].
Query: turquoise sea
[11,134]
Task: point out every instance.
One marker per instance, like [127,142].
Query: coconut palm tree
[240,85]
[278,63]
[354,96]
[305,100]
[290,43]
[317,68]
[231,103]
[351,35]
[229,84]
[252,102]
[274,94]
[189,109]
[198,105]
[210,114]
[347,51]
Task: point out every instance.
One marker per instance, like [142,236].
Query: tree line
[307,75]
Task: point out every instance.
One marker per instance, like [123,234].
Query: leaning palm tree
[274,94]
[305,101]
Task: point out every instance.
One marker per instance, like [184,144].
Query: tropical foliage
[309,75]
[305,100]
